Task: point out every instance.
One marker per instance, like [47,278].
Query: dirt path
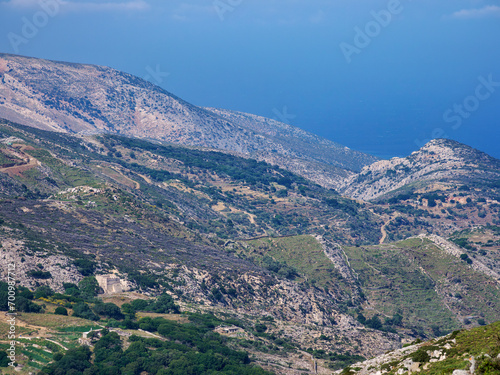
[16,170]
[382,228]
[117,175]
[42,332]
[137,185]
[146,178]
[384,232]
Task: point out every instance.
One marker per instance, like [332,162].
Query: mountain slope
[304,150]
[425,282]
[243,239]
[475,351]
[171,218]
[80,98]
[441,161]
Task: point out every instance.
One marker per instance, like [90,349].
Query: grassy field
[174,317]
[304,253]
[429,287]
[4,330]
[52,321]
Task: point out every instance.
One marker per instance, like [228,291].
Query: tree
[71,289]
[4,359]
[128,310]
[44,292]
[4,294]
[164,304]
[89,287]
[25,292]
[374,322]
[260,328]
[108,309]
[61,311]
[75,361]
[139,304]
[25,305]
[108,345]
[82,310]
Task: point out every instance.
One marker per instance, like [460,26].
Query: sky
[382,77]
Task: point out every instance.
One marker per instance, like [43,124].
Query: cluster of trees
[430,197]
[164,304]
[466,258]
[345,205]
[281,269]
[85,266]
[39,274]
[82,299]
[401,198]
[187,349]
[463,242]
[250,171]
[23,299]
[376,323]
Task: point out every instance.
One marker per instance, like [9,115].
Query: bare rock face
[78,98]
[304,313]
[439,160]
[60,267]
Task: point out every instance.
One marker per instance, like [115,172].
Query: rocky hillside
[185,221]
[307,154]
[466,352]
[78,98]
[441,161]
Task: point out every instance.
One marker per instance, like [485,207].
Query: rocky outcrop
[452,249]
[400,361]
[439,160]
[60,268]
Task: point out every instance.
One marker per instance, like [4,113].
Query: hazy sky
[382,77]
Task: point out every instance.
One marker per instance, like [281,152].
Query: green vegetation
[88,287]
[38,274]
[187,349]
[82,310]
[418,269]
[295,256]
[249,171]
[21,300]
[4,360]
[61,311]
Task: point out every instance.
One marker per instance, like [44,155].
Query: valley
[291,254]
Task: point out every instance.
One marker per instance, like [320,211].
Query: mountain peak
[80,98]
[439,159]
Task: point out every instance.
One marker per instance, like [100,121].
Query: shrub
[37,274]
[61,311]
[82,310]
[260,328]
[420,356]
[89,287]
[488,366]
[44,292]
